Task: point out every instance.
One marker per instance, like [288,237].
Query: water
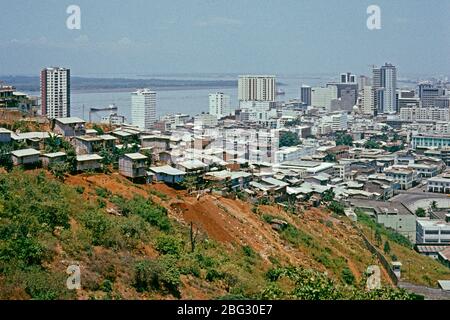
[188,101]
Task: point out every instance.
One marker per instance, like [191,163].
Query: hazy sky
[224,36]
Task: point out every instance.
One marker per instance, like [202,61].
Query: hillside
[135,242]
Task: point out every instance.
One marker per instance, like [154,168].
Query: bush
[213,275]
[337,207]
[420,212]
[151,212]
[159,275]
[79,189]
[101,192]
[347,276]
[168,245]
[249,252]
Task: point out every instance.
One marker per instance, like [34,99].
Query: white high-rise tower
[257,88]
[219,105]
[55,92]
[143,108]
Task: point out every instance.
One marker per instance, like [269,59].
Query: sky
[224,36]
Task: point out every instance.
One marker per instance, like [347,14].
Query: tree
[387,247]
[98,129]
[190,183]
[289,139]
[330,157]
[344,140]
[434,205]
[420,212]
[371,145]
[337,207]
[378,238]
[59,170]
[328,195]
[53,143]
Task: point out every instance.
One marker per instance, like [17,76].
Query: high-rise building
[257,88]
[428,94]
[305,95]
[323,97]
[385,79]
[55,92]
[347,78]
[143,108]
[363,81]
[219,105]
[367,101]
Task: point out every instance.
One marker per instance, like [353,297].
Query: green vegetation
[302,284]
[289,139]
[344,139]
[420,212]
[337,207]
[387,247]
[141,253]
[371,144]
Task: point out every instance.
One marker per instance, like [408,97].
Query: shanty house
[168,174]
[25,157]
[133,165]
[89,162]
[70,127]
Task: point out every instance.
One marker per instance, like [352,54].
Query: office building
[256,88]
[143,108]
[347,78]
[428,94]
[322,97]
[385,86]
[305,95]
[55,92]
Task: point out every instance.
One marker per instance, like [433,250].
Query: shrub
[160,275]
[347,276]
[213,275]
[169,245]
[101,192]
[79,189]
[337,207]
[151,212]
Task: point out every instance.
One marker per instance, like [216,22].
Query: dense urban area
[342,193]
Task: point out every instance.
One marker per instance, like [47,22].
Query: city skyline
[200,37]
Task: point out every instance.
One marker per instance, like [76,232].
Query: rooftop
[25,153]
[88,157]
[70,120]
[167,170]
[135,156]
[55,154]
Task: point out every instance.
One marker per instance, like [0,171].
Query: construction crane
[111,107]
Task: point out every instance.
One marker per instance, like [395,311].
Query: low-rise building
[406,177]
[51,158]
[439,184]
[70,127]
[133,165]
[433,231]
[5,135]
[89,162]
[168,174]
[25,157]
[393,215]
